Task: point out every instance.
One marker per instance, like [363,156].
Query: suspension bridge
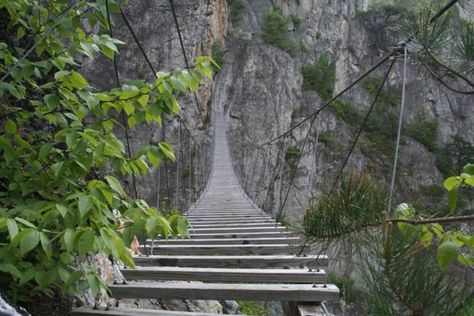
[235,252]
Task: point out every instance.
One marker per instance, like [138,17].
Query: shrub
[424,131]
[320,77]
[451,159]
[253,308]
[357,204]
[236,7]
[275,30]
[291,155]
[217,54]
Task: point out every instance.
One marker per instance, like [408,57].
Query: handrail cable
[325,105]
[361,128]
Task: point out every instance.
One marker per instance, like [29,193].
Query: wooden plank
[208,217]
[231,225]
[255,229]
[226,275]
[224,291]
[267,261]
[231,221]
[226,241]
[220,249]
[241,234]
[88,311]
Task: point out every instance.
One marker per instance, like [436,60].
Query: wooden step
[241,235]
[256,229]
[231,221]
[236,217]
[219,249]
[225,291]
[233,225]
[226,275]
[89,311]
[226,241]
[266,261]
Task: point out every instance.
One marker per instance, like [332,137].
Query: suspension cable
[175,18]
[129,26]
[42,38]
[361,128]
[400,120]
[117,81]
[325,105]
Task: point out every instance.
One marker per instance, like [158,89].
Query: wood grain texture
[221,249]
[88,311]
[245,261]
[226,275]
[225,291]
[227,241]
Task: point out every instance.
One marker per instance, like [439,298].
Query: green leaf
[45,150]
[469,169]
[167,150]
[85,204]
[52,101]
[62,209]
[115,185]
[12,228]
[447,252]
[68,239]
[78,81]
[85,242]
[466,259]
[10,126]
[25,222]
[29,241]
[451,183]
[66,258]
[10,268]
[94,283]
[57,168]
[127,259]
[452,200]
[46,244]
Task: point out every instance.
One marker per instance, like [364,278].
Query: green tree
[60,160]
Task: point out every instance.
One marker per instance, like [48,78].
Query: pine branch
[450,219]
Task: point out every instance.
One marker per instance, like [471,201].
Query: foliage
[275,30]
[253,308]
[60,160]
[402,278]
[357,204]
[291,155]
[346,285]
[236,7]
[451,159]
[320,77]
[295,19]
[381,21]
[217,55]
[435,191]
[424,131]
[444,46]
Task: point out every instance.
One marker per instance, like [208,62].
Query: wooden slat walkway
[235,252]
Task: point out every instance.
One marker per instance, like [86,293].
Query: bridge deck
[235,251]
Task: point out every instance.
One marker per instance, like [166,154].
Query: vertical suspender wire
[282,166]
[275,170]
[178,158]
[252,174]
[400,120]
[356,139]
[295,169]
[175,18]
[124,121]
[168,191]
[313,176]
